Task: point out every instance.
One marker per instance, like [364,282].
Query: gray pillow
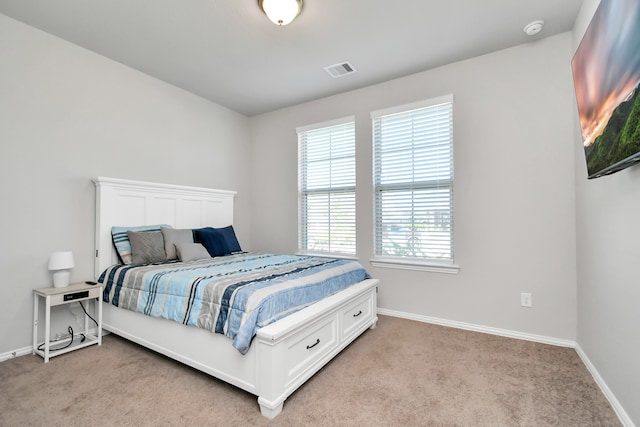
[146,247]
[121,239]
[191,251]
[173,236]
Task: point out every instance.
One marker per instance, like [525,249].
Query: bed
[281,356]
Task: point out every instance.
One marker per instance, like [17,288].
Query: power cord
[70,331]
[89,316]
[85,312]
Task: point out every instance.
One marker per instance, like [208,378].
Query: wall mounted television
[606,76]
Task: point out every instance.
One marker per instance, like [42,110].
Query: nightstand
[60,296]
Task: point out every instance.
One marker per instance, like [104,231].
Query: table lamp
[61,262]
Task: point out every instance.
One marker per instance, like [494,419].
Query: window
[413,185]
[327,188]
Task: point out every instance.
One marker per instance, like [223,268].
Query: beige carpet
[402,373]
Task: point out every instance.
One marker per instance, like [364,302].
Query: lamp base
[61,279]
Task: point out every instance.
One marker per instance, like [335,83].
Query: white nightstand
[60,296]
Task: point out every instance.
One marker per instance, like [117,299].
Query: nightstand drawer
[78,295]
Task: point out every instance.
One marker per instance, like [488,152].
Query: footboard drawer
[305,348]
[356,314]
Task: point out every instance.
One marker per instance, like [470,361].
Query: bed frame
[282,356]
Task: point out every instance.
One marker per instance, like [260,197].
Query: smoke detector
[533,28]
[339,70]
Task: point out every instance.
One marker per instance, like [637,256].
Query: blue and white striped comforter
[233,295]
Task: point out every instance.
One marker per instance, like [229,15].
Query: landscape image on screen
[606,74]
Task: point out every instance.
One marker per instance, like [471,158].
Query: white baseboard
[15,353]
[480,328]
[615,404]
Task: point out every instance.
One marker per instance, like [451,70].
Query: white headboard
[122,202]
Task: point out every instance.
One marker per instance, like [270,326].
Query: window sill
[430,266]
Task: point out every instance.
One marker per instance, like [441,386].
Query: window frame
[409,262]
[303,248]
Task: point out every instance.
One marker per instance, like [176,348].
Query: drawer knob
[358,313]
[314,344]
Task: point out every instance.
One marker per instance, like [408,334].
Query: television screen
[606,75]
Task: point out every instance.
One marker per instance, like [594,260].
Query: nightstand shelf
[60,296]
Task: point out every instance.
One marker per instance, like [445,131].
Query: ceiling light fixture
[281,12]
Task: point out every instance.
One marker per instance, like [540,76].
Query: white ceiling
[229,52]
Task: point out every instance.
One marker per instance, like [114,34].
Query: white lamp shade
[281,12]
[61,260]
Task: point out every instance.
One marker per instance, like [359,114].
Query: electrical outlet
[525,300]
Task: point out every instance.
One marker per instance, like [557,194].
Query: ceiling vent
[339,70]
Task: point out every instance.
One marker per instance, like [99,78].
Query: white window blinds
[413,181]
[327,184]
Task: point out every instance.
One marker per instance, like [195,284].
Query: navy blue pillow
[230,239]
[217,241]
[210,239]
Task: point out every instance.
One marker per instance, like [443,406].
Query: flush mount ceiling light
[281,12]
[533,28]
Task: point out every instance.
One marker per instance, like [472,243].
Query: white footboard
[291,350]
[283,355]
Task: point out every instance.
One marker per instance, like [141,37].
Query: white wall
[514,187]
[608,241]
[68,115]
